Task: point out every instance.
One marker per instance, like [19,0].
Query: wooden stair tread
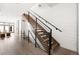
[40,33]
[45,40]
[43,36]
[40,30]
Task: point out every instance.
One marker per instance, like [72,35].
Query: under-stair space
[45,37]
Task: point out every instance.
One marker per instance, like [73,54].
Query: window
[6,28]
[1,28]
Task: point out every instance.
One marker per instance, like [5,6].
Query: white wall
[64,17]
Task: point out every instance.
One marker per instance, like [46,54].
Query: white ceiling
[14,8]
[13,11]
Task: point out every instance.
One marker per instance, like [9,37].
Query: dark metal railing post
[50,37]
[28,36]
[36,23]
[28,16]
[28,29]
[36,33]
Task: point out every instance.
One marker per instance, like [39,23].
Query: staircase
[44,36]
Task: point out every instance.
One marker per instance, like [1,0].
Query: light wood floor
[15,46]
